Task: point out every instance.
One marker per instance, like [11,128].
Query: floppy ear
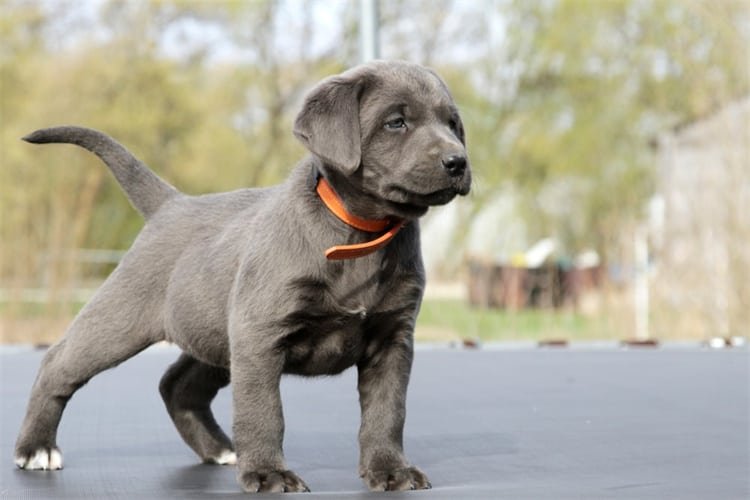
[328,124]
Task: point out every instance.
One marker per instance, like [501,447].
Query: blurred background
[610,142]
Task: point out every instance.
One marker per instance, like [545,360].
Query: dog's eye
[453,124]
[396,123]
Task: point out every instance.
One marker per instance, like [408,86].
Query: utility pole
[369,26]
[640,288]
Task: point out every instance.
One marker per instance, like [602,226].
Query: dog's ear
[328,124]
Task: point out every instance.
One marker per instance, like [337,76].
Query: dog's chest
[328,347]
[328,329]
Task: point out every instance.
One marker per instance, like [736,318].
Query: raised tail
[145,190]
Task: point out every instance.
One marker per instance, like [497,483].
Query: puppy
[310,277]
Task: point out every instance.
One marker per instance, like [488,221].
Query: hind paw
[226,457]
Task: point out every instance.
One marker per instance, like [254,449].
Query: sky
[78,20]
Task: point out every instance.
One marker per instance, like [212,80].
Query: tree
[594,82]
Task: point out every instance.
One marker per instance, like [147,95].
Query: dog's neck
[389,227]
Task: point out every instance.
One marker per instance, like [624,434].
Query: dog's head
[391,133]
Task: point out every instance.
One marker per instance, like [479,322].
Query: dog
[309,277]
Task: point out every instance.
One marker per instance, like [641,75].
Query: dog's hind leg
[188,387]
[111,328]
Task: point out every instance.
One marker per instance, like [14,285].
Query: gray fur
[238,280]
[145,190]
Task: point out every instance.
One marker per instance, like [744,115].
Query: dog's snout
[455,165]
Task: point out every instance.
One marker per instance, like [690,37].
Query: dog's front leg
[258,420]
[382,395]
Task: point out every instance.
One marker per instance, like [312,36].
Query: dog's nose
[455,165]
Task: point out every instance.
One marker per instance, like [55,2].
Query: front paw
[275,481]
[42,458]
[398,479]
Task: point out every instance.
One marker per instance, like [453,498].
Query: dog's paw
[277,481]
[402,479]
[226,457]
[41,459]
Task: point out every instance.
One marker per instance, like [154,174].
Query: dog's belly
[198,327]
[211,347]
[196,303]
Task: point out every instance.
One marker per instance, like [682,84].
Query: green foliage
[452,319]
[205,126]
[569,95]
[597,81]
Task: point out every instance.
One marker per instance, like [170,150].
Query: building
[701,242]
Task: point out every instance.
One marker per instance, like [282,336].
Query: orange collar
[342,252]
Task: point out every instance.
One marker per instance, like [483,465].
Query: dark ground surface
[575,423]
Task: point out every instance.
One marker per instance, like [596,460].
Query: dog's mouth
[411,205]
[401,195]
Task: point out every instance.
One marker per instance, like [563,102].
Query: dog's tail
[145,190]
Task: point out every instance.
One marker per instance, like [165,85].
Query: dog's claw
[403,479]
[41,459]
[272,482]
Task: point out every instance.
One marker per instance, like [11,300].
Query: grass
[34,322]
[439,320]
[38,309]
[455,319]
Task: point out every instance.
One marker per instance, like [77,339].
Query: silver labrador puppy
[309,277]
